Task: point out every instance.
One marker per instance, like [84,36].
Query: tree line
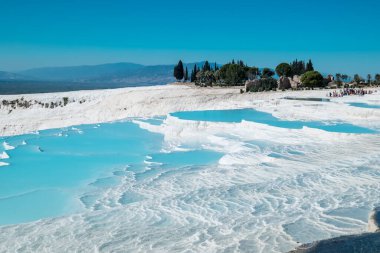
[236,73]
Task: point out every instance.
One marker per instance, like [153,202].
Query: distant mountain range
[11,76]
[113,75]
[83,73]
[123,72]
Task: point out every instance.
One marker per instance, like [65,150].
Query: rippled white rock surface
[177,185]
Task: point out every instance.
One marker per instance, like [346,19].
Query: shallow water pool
[364,105]
[236,116]
[165,184]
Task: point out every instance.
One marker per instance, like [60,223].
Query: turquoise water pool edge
[238,115]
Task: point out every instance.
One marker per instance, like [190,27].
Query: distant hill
[11,76]
[113,75]
[26,86]
[81,73]
[121,73]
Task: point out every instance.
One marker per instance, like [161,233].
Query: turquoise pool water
[156,185]
[61,165]
[364,105]
[57,165]
[236,116]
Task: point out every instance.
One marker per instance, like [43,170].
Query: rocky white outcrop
[295,82]
[251,83]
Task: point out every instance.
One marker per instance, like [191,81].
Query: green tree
[309,66]
[377,78]
[235,74]
[241,63]
[338,78]
[232,74]
[193,75]
[205,78]
[178,71]
[186,75]
[284,69]
[206,66]
[298,67]
[216,67]
[264,84]
[217,77]
[345,77]
[267,72]
[312,79]
[369,78]
[358,79]
[251,72]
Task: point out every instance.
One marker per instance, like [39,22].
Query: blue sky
[339,35]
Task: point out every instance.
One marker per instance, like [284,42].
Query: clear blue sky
[339,35]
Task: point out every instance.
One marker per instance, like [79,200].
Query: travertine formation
[367,242]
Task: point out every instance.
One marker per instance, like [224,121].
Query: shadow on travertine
[363,243]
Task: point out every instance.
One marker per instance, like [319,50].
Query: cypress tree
[186,75]
[178,71]
[309,66]
[294,66]
[216,67]
[298,67]
[302,68]
[194,73]
[206,66]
